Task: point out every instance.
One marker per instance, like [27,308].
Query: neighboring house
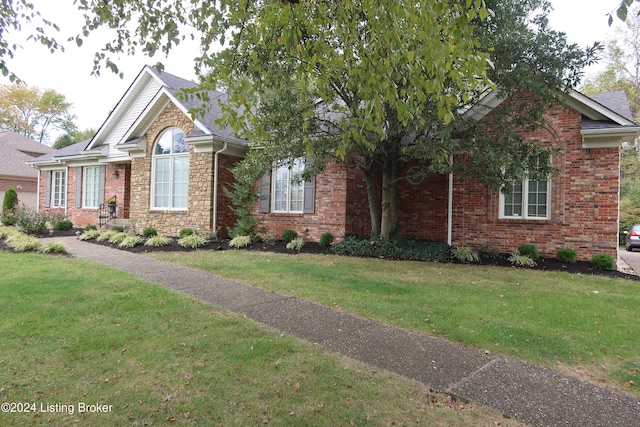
[167,171]
[15,151]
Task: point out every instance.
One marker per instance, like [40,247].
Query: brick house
[166,170]
[16,150]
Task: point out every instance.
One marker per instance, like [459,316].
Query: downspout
[37,190]
[450,203]
[214,202]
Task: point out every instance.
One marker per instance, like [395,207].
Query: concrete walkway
[531,394]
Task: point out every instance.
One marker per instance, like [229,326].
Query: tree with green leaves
[375,84]
[72,135]
[33,112]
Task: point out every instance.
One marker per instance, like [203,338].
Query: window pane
[180,181]
[513,200]
[537,199]
[161,183]
[163,146]
[280,189]
[179,144]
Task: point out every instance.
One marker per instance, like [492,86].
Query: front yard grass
[584,325]
[77,333]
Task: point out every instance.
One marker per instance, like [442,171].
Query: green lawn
[586,325]
[75,334]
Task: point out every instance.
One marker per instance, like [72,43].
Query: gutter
[214,201]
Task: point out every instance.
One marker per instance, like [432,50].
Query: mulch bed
[545,264]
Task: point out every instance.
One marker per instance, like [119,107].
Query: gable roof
[16,150]
[147,96]
[606,118]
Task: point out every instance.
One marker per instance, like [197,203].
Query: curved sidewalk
[532,394]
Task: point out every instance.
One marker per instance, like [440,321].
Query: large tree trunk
[374,201]
[390,202]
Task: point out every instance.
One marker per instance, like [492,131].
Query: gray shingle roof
[175,85]
[16,150]
[615,101]
[70,150]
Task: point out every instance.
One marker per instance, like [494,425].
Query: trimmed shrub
[489,251]
[157,241]
[185,232]
[192,241]
[90,227]
[9,206]
[326,238]
[117,229]
[465,254]
[520,260]
[396,249]
[603,262]
[567,255]
[150,232]
[89,235]
[65,224]
[528,250]
[53,247]
[240,242]
[289,234]
[296,244]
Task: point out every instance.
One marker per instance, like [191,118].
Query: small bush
[465,254]
[89,235]
[567,255]
[157,241]
[130,241]
[117,237]
[30,221]
[149,232]
[192,241]
[118,228]
[520,260]
[603,262]
[289,234]
[395,249]
[240,242]
[9,206]
[489,251]
[6,232]
[528,250]
[21,242]
[105,235]
[296,244]
[185,232]
[326,238]
[53,247]
[90,227]
[65,224]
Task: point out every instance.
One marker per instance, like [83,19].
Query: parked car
[632,239]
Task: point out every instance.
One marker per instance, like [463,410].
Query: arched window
[170,175]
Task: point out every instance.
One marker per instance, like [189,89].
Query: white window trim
[171,156]
[96,184]
[525,203]
[63,189]
[274,176]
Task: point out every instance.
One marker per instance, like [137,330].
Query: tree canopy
[373,83]
[33,112]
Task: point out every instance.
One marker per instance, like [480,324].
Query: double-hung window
[288,187]
[59,189]
[91,190]
[170,177]
[526,199]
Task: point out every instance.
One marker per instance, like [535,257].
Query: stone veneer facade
[198,215]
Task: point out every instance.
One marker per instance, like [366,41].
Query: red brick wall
[330,209]
[584,200]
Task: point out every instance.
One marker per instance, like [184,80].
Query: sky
[69,72]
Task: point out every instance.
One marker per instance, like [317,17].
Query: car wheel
[629,248]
